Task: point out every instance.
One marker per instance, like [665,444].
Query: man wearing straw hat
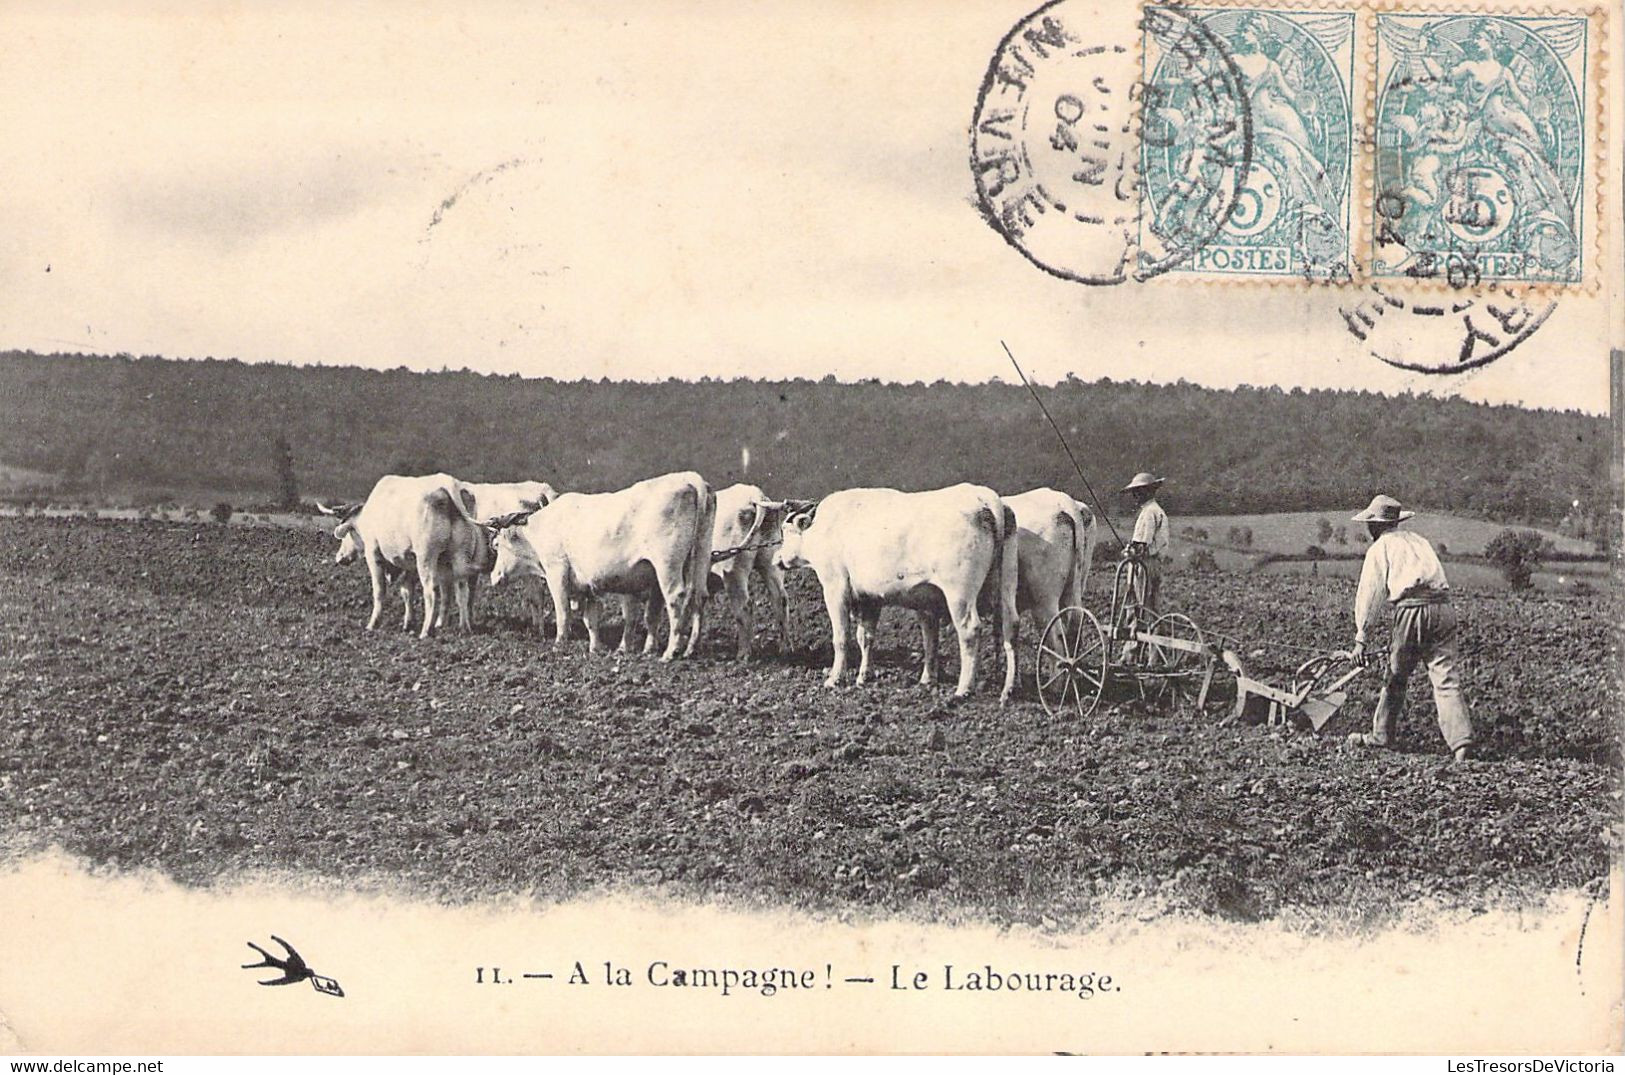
[1402,569]
[1150,540]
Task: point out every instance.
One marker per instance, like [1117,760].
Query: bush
[1203,563]
[1517,553]
[221,512]
[1315,552]
[1323,530]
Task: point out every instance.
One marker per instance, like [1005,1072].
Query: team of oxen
[662,547]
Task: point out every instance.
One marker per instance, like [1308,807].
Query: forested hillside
[216,424]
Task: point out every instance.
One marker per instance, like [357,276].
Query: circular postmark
[1063,118]
[1442,332]
[1446,310]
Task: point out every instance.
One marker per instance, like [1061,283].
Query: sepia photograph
[840,529]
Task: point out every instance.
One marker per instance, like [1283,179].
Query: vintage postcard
[836,528]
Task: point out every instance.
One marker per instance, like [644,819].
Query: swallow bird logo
[293,968]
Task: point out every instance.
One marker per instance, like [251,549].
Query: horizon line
[828,377]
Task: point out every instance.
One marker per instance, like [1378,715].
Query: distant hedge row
[216,424]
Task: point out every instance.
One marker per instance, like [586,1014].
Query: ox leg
[429,579]
[592,612]
[968,624]
[929,630]
[774,579]
[465,604]
[744,615]
[678,599]
[630,608]
[443,597]
[561,609]
[651,622]
[538,604]
[638,614]
[696,627]
[868,621]
[375,569]
[407,584]
[840,627]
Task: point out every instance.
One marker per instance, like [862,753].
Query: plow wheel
[1175,673]
[1072,663]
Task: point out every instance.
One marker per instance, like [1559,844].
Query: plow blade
[1320,710]
[1257,701]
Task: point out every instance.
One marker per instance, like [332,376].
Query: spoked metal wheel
[1175,667]
[1072,663]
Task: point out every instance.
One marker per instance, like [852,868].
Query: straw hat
[1383,509]
[1143,479]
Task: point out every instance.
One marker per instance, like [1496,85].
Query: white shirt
[1151,528]
[1397,562]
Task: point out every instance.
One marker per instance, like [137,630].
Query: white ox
[1056,541]
[494,499]
[749,521]
[427,520]
[949,547]
[652,536]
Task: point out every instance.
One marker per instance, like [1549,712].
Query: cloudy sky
[587,190]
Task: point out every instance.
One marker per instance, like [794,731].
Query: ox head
[763,520]
[798,518]
[349,537]
[512,553]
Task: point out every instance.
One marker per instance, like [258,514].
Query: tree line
[272,431]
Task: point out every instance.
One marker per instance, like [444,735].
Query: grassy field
[1293,532]
[1460,539]
[1576,577]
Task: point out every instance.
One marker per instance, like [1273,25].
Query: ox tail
[998,592]
[469,551]
[1083,552]
[1005,620]
[699,559]
[464,500]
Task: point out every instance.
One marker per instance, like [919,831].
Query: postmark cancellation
[1298,141]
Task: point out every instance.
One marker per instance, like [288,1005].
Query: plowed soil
[203,700]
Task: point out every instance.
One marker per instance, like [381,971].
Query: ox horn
[513,518]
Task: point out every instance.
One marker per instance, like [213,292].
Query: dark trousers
[1424,632]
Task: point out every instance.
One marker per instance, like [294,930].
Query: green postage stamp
[1293,149]
[1481,156]
[1373,142]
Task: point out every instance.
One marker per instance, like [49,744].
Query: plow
[1310,698]
[1167,659]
